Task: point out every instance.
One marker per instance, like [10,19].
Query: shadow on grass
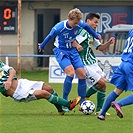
[67,114]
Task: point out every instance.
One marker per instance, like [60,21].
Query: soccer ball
[87,107]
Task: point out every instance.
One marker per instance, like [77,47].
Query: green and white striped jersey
[86,41]
[4,74]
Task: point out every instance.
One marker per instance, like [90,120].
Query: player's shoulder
[82,30]
[59,26]
[84,33]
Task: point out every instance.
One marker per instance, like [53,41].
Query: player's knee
[48,88]
[45,94]
[51,90]
[71,74]
[83,76]
[69,70]
[103,81]
[101,86]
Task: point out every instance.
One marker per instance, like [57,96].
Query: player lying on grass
[123,80]
[24,90]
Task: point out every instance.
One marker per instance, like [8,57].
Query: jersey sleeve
[51,35]
[80,39]
[5,67]
[89,29]
[96,43]
[82,36]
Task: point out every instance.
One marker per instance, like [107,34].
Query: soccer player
[94,75]
[67,56]
[123,80]
[24,90]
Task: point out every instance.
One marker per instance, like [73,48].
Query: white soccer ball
[87,107]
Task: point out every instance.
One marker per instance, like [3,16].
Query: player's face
[73,23]
[93,23]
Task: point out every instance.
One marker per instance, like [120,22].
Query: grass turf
[41,116]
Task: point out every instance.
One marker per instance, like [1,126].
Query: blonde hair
[75,13]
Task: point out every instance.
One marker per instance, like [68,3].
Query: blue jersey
[127,54]
[123,75]
[64,34]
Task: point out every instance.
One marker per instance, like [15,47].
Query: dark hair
[91,16]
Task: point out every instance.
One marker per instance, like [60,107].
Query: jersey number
[129,45]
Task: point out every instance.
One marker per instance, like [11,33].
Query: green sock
[58,101]
[100,99]
[59,107]
[54,93]
[91,91]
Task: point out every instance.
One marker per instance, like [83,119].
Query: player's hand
[39,48]
[79,48]
[7,84]
[112,40]
[99,37]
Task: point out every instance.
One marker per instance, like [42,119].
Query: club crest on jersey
[75,32]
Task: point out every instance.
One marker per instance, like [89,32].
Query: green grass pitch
[42,117]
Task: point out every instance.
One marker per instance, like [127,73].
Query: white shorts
[25,90]
[93,74]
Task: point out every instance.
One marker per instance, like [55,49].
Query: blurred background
[39,16]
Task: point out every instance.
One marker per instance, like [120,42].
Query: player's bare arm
[107,44]
[78,46]
[8,83]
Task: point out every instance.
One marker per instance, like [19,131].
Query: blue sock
[126,101]
[82,89]
[67,87]
[111,97]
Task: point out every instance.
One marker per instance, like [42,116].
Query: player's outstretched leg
[73,103]
[118,109]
